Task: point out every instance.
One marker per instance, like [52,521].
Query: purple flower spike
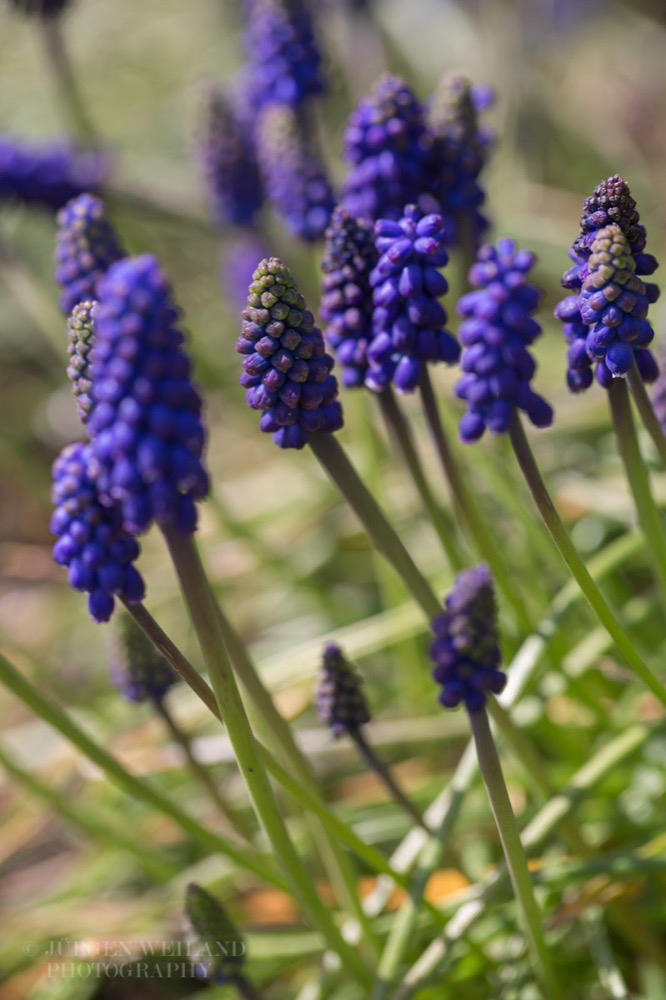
[86,246]
[295,179]
[44,8]
[387,146]
[92,543]
[228,163]
[498,328]
[460,148]
[346,304]
[137,669]
[48,173]
[286,370]
[339,696]
[465,649]
[284,60]
[146,424]
[81,339]
[408,320]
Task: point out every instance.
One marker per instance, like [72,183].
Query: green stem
[569,554]
[136,787]
[64,79]
[205,618]
[246,989]
[401,434]
[638,479]
[466,507]
[514,854]
[377,765]
[646,410]
[331,456]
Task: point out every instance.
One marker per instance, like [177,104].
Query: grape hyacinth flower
[408,321]
[465,649]
[92,543]
[386,143]
[48,173]
[44,8]
[295,179]
[286,370]
[459,151]
[283,56]
[80,342]
[346,304]
[498,328]
[86,246]
[137,669]
[146,425]
[339,697]
[217,935]
[228,163]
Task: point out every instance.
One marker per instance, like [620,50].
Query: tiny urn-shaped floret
[137,669]
[465,649]
[86,246]
[286,370]
[217,936]
[80,342]
[339,696]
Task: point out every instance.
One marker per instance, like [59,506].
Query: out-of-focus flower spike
[48,173]
[146,427]
[283,56]
[346,304]
[295,178]
[339,695]
[286,370]
[80,342]
[43,8]
[92,543]
[136,668]
[465,649]
[238,260]
[86,246]
[498,328]
[217,935]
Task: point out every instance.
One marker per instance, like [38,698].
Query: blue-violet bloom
[217,936]
[48,173]
[136,667]
[86,246]
[339,697]
[283,56]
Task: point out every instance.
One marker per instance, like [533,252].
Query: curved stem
[646,410]
[639,482]
[465,504]
[380,768]
[65,81]
[570,556]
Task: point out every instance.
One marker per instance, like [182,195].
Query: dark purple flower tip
[48,173]
[496,332]
[228,162]
[346,304]
[339,696]
[465,649]
[92,543]
[148,436]
[286,370]
[294,177]
[611,202]
[283,56]
[217,935]
[86,246]
[80,342]
[136,668]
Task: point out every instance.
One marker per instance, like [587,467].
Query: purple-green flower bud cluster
[408,320]
[80,343]
[286,370]
[498,328]
[136,668]
[48,173]
[92,542]
[339,697]
[465,649]
[86,246]
[346,304]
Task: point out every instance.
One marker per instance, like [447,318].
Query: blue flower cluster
[212,925]
[136,667]
[387,145]
[612,307]
[339,696]
[228,163]
[295,178]
[408,321]
[459,152]
[346,304]
[86,246]
[610,204]
[146,425]
[80,343]
[498,328]
[286,370]
[465,649]
[283,57]
[48,173]
[91,540]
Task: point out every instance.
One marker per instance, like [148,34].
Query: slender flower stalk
[565,546]
[64,78]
